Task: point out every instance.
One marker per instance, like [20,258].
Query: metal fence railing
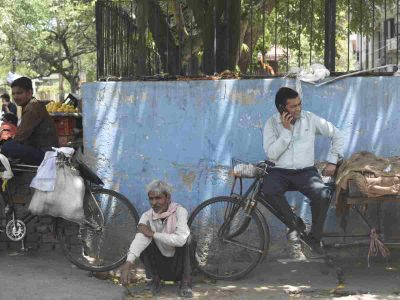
[140,38]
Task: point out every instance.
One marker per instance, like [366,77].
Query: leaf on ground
[335,290]
[141,296]
[211,281]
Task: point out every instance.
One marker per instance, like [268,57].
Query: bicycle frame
[251,197]
[91,182]
[91,202]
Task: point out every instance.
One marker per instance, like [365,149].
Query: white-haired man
[162,242]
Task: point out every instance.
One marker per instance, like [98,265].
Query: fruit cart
[68,122]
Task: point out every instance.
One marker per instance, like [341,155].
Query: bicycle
[100,242]
[230,234]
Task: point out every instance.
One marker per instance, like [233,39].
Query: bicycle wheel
[220,254]
[103,246]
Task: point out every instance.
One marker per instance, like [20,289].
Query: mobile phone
[282,109]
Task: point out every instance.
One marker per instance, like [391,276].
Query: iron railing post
[330,34]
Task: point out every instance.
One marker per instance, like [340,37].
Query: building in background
[382,47]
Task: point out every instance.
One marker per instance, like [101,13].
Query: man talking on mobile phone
[288,139]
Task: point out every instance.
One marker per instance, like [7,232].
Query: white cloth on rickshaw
[45,178]
[66,200]
[8,173]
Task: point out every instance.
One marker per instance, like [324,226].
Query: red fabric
[7,131]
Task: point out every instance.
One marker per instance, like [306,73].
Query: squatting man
[162,242]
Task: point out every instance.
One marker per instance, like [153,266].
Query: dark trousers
[310,184]
[28,155]
[174,268]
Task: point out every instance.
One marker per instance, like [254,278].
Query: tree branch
[180,21]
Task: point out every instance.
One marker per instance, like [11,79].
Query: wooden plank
[366,200]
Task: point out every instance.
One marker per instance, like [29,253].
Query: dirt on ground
[46,274]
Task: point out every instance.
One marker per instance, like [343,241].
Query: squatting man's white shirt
[166,242]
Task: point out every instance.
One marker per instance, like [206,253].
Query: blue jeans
[28,154]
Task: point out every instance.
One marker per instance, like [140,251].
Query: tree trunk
[250,36]
[208,36]
[72,82]
[250,39]
[233,33]
[61,87]
[141,44]
[220,34]
[165,42]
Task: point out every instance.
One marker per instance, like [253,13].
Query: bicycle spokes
[243,245]
[234,225]
[15,229]
[228,242]
[94,217]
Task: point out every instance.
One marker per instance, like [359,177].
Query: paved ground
[41,274]
[46,274]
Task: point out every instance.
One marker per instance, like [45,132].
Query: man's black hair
[11,118]
[23,82]
[283,94]
[6,97]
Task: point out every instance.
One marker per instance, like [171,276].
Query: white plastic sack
[66,201]
[315,73]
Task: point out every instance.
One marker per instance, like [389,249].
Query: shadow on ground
[347,278]
[46,274]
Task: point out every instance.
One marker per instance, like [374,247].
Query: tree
[229,33]
[50,36]
[181,30]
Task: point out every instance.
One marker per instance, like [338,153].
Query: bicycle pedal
[312,255]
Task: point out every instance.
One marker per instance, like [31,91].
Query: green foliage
[296,25]
[48,89]
[48,36]
[299,25]
[58,36]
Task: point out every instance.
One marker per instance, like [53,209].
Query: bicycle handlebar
[266,162]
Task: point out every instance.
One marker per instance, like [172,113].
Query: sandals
[185,291]
[153,286]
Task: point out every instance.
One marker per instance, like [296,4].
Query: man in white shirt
[289,138]
[162,242]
